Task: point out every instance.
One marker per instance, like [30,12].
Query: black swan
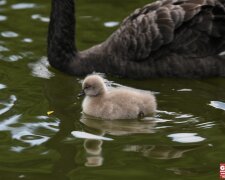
[167,38]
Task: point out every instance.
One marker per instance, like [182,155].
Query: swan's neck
[62,51]
[61,34]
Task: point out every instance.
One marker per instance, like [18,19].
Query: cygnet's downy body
[117,103]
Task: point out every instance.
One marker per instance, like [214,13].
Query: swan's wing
[168,25]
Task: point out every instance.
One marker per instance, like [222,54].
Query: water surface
[184,141]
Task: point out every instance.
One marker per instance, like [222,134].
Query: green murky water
[184,141]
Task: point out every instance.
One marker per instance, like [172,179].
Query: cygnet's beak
[82,93]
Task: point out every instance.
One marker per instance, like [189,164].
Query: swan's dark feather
[191,24]
[166,38]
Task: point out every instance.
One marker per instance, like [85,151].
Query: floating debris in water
[50,112]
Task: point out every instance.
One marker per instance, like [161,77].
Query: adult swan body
[167,38]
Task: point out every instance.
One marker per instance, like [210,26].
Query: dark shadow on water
[61,93]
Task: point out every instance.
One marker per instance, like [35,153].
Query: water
[184,141]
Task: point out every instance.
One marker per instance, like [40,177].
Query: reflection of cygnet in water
[93,149]
[118,103]
[120,127]
[101,127]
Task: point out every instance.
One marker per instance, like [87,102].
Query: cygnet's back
[117,103]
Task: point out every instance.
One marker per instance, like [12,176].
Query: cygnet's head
[93,85]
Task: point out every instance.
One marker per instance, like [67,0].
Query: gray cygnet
[117,103]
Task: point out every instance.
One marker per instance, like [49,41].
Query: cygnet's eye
[87,87]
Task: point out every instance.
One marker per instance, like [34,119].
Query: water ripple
[14,58]
[84,135]
[206,125]
[2,48]
[166,112]
[184,116]
[40,17]
[9,34]
[5,125]
[8,105]
[217,105]
[186,137]
[53,126]
[23,6]
[27,40]
[3,18]
[30,138]
[17,148]
[27,132]
[40,69]
[111,24]
[2,86]
[184,90]
[178,118]
[2,2]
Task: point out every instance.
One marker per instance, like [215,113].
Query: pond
[39,109]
